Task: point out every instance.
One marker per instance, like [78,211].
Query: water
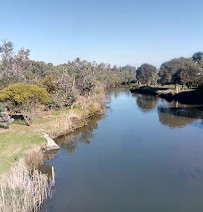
[143,155]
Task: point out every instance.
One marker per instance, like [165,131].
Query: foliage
[24,97]
[12,65]
[65,83]
[147,74]
[189,74]
[198,57]
[180,71]
[169,71]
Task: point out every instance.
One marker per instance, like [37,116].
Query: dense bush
[24,98]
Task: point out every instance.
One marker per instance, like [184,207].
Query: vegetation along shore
[180,79]
[57,99]
[43,98]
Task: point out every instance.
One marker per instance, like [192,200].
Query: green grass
[14,142]
[170,86]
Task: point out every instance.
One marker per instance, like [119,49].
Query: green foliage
[2,106]
[22,93]
[24,97]
[48,84]
[189,74]
[147,74]
[135,86]
[198,57]
[170,70]
[180,71]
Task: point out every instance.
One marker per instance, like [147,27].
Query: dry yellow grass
[23,189]
[70,120]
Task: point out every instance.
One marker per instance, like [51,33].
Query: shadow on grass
[19,119]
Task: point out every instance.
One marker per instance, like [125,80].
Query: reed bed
[23,189]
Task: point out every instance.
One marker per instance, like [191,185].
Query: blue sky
[113,31]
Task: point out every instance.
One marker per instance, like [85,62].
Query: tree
[190,73]
[197,57]
[147,102]
[12,66]
[147,74]
[170,71]
[24,98]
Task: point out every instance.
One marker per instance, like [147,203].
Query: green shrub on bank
[24,98]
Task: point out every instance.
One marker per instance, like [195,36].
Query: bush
[24,98]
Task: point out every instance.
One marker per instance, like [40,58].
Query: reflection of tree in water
[179,116]
[171,114]
[84,135]
[114,93]
[146,102]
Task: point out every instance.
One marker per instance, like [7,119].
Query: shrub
[24,98]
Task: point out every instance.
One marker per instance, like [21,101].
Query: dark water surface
[143,155]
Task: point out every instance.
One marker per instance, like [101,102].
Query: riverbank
[184,96]
[99,167]
[14,142]
[19,139]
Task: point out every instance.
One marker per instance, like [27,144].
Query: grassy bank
[14,142]
[22,186]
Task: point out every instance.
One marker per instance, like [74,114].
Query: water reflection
[135,163]
[46,168]
[146,102]
[179,116]
[83,135]
[172,114]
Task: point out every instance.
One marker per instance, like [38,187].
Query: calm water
[143,155]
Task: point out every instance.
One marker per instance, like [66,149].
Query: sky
[118,32]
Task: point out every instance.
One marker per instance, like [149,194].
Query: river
[143,155]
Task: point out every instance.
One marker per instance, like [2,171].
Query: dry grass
[65,123]
[34,158]
[74,118]
[23,189]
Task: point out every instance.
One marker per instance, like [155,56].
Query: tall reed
[23,189]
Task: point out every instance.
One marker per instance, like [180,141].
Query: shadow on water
[71,142]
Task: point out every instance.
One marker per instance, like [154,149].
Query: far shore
[182,95]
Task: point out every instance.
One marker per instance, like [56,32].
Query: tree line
[183,71]
[26,83]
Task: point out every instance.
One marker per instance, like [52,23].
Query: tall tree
[190,74]
[147,74]
[170,71]
[198,57]
[12,66]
